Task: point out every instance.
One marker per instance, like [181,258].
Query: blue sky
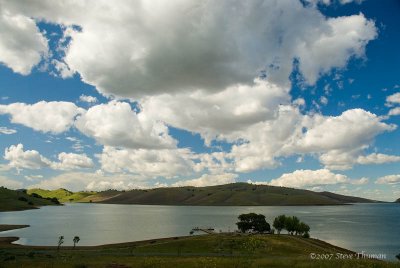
[128,95]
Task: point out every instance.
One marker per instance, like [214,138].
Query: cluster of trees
[292,225]
[256,223]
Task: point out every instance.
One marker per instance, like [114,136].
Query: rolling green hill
[236,194]
[62,195]
[11,200]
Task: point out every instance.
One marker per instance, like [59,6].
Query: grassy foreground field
[220,250]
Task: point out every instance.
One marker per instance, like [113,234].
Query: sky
[139,94]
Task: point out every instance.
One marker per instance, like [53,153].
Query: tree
[253,222]
[291,224]
[60,242]
[279,223]
[76,240]
[303,229]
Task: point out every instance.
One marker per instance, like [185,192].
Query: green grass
[11,200]
[220,250]
[62,195]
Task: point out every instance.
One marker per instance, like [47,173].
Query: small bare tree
[60,242]
[76,240]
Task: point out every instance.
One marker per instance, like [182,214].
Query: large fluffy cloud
[342,159]
[147,163]
[116,124]
[352,129]
[149,47]
[19,158]
[54,116]
[218,114]
[22,46]
[68,161]
[294,133]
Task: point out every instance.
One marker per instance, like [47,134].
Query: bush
[55,200]
[36,195]
[22,199]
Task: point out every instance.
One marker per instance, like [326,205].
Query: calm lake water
[373,228]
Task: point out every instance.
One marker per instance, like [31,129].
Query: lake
[372,228]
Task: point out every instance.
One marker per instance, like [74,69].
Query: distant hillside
[397,201]
[101,196]
[11,200]
[236,194]
[62,195]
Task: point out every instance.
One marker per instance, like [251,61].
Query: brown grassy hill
[236,194]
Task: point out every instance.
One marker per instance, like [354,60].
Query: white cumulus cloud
[393,99]
[389,179]
[88,99]
[54,117]
[19,158]
[116,124]
[308,178]
[141,48]
[22,45]
[68,161]
[216,114]
[394,111]
[148,163]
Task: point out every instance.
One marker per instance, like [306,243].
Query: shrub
[22,199]
[36,195]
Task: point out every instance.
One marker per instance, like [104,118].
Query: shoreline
[9,227]
[8,241]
